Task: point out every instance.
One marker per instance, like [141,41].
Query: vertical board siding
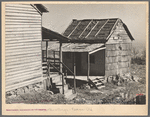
[118,52]
[22,46]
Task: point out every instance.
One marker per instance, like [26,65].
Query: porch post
[74,68]
[60,55]
[88,66]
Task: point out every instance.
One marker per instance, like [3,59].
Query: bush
[138,57]
[138,61]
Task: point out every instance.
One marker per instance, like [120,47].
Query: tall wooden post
[60,56]
[74,68]
[46,80]
[88,66]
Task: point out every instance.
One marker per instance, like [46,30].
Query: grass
[110,94]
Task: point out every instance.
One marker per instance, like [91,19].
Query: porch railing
[49,63]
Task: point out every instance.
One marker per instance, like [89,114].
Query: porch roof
[49,35]
[81,47]
[74,47]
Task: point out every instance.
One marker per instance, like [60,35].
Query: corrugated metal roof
[92,29]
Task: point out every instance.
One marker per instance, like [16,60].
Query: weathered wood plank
[22,45]
[19,5]
[22,23]
[22,74]
[21,48]
[25,65]
[12,10]
[21,13]
[23,26]
[22,29]
[20,58]
[25,60]
[12,39]
[25,83]
[9,43]
[30,18]
[22,78]
[18,70]
[20,8]
[22,32]
[22,53]
[7,58]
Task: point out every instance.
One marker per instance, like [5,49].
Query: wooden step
[97,79]
[44,71]
[98,82]
[44,67]
[44,64]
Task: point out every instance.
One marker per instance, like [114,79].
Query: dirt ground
[110,94]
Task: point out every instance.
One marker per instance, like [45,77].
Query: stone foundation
[34,87]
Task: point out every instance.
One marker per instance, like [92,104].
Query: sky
[133,15]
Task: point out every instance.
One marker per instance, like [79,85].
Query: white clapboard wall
[22,46]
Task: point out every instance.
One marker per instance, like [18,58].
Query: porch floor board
[84,78]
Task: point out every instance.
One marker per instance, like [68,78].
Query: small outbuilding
[103,47]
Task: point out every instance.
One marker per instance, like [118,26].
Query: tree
[134,52]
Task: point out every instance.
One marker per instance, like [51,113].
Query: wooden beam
[97,50]
[88,66]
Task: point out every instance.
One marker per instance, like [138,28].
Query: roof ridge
[94,19]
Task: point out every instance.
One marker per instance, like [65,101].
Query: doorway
[78,63]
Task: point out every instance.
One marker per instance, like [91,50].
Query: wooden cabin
[23,37]
[101,47]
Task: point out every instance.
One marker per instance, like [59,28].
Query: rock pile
[122,78]
[23,90]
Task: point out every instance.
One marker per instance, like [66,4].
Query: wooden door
[78,63]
